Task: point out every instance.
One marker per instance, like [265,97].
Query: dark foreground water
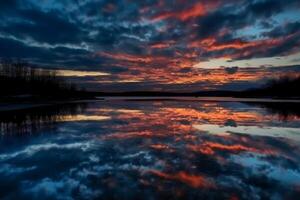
[151,150]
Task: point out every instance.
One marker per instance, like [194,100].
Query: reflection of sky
[291,133]
[156,149]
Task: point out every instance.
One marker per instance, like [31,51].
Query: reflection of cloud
[51,188]
[195,181]
[259,166]
[210,148]
[70,118]
[161,147]
[58,189]
[157,148]
[129,135]
[286,132]
[33,149]
[230,122]
[12,170]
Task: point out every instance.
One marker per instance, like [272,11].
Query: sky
[157,45]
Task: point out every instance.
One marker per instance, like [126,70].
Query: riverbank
[211,99]
[11,106]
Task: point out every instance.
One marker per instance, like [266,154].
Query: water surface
[172,149]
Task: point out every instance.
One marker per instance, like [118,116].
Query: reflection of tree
[285,111]
[34,119]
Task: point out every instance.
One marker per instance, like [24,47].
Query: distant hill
[283,87]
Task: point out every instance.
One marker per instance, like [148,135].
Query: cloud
[44,27]
[231,70]
[154,41]
[283,30]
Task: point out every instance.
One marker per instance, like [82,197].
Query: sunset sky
[169,45]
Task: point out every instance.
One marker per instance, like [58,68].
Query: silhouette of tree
[20,78]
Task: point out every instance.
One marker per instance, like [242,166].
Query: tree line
[20,78]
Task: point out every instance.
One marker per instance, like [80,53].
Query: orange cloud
[210,44]
[196,10]
[162,45]
[127,57]
[179,68]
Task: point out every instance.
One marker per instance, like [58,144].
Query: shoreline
[211,99]
[6,106]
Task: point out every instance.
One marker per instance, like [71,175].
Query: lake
[151,149]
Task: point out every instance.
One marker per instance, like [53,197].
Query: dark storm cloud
[15,49]
[231,70]
[245,14]
[59,56]
[7,4]
[103,24]
[44,27]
